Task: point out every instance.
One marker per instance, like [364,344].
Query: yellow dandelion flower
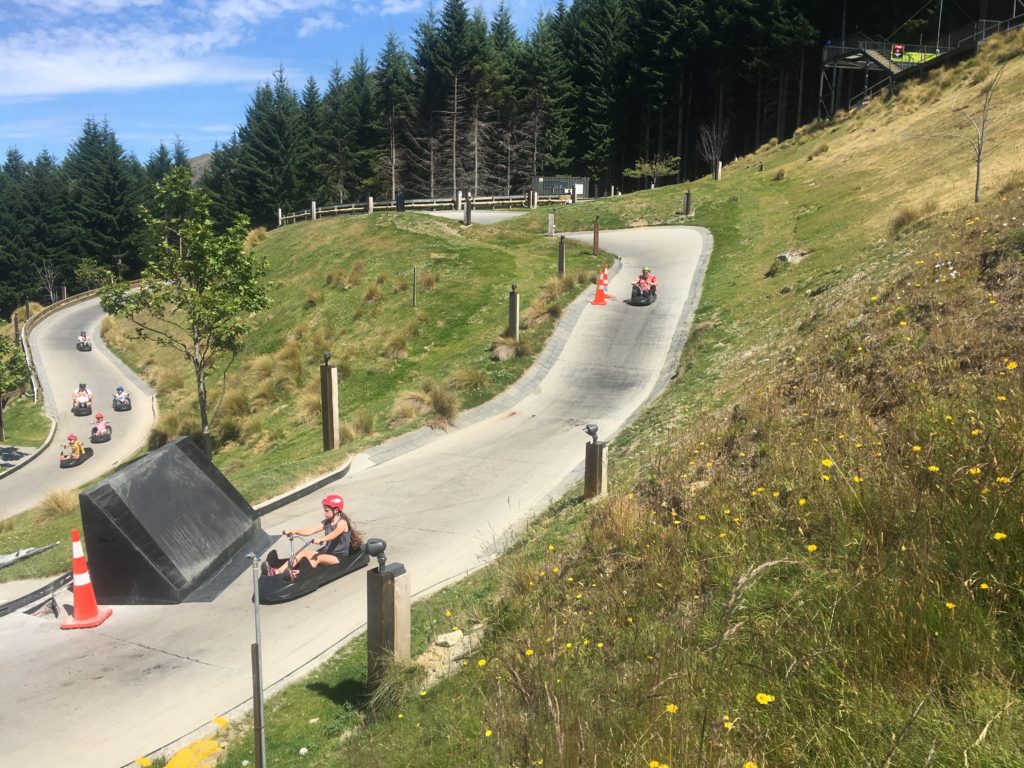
[600,645]
[1001,398]
[775,494]
[482,663]
[802,502]
[764,699]
[528,651]
[916,449]
[999,536]
[932,468]
[874,298]
[812,547]
[826,462]
[448,614]
[974,471]
[551,547]
[728,725]
[1011,365]
[145,762]
[858,479]
[903,323]
[488,733]
[671,708]
[654,764]
[401,715]
[826,478]
[701,517]
[750,764]
[983,585]
[950,605]
[423,692]
[1003,479]
[976,432]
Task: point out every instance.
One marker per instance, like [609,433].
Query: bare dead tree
[977,141]
[48,276]
[711,143]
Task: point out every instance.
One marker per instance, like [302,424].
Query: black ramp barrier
[155,530]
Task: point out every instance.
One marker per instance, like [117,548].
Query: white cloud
[389,7]
[77,60]
[79,7]
[325,22]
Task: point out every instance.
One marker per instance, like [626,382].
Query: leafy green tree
[14,372]
[199,286]
[652,169]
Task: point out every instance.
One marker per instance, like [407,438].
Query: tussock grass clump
[909,214]
[58,503]
[337,278]
[396,345]
[779,175]
[505,348]
[467,379]
[255,237]
[314,296]
[427,281]
[372,294]
[309,407]
[818,151]
[235,403]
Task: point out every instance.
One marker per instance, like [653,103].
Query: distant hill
[199,164]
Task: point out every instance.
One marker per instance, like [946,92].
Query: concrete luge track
[153,675]
[60,367]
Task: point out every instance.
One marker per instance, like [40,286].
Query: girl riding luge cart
[326,551]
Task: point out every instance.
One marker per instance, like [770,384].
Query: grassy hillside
[812,552]
[344,286]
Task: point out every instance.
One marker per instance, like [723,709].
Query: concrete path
[60,367]
[154,676]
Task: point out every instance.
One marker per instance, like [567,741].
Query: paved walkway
[153,676]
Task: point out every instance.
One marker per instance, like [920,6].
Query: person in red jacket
[647,282]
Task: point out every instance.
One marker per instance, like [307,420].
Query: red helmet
[72,438]
[334,501]
[99,416]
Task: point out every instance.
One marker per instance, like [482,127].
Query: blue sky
[160,69]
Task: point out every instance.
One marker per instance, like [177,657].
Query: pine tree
[105,189]
[311,124]
[394,109]
[358,116]
[220,181]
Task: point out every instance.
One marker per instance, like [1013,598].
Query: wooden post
[573,193]
[388,620]
[467,217]
[686,203]
[597,232]
[280,220]
[513,313]
[414,286]
[312,208]
[329,403]
[718,171]
[369,204]
[561,256]
[259,734]
[28,311]
[63,292]
[551,225]
[595,472]
[17,337]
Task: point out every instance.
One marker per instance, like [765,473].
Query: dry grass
[818,151]
[255,237]
[467,380]
[58,503]
[372,294]
[505,348]
[779,175]
[909,214]
[395,346]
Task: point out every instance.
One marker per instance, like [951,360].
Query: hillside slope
[812,552]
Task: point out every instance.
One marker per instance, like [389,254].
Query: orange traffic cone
[605,278]
[602,283]
[87,613]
